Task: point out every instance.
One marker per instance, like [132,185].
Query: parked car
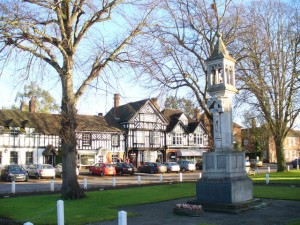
[294,163]
[247,163]
[103,169]
[255,163]
[186,165]
[14,173]
[172,167]
[152,167]
[124,168]
[58,170]
[199,165]
[41,171]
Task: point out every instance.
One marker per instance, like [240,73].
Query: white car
[247,163]
[58,170]
[186,165]
[172,167]
[41,171]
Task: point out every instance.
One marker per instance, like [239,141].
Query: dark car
[294,163]
[14,173]
[151,167]
[199,165]
[124,168]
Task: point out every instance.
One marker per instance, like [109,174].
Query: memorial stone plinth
[225,184]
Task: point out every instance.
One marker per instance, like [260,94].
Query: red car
[103,169]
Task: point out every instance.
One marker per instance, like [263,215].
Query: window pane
[14,157]
[29,157]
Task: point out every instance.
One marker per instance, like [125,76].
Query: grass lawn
[103,205]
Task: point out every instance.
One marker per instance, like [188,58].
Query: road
[94,182]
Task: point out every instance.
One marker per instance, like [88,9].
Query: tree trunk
[70,186]
[281,165]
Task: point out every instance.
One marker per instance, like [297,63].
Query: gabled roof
[50,123]
[173,115]
[127,112]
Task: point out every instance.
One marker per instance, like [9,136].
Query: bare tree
[174,51]
[75,38]
[269,67]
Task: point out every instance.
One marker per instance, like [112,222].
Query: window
[198,139]
[139,137]
[87,159]
[114,158]
[100,158]
[115,140]
[154,137]
[0,157]
[29,157]
[86,139]
[14,131]
[13,157]
[148,117]
[177,139]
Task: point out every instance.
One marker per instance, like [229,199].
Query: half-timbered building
[30,137]
[185,138]
[144,128]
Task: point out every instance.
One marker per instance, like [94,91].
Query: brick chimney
[155,103]
[32,104]
[23,106]
[116,106]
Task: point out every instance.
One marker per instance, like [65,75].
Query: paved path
[277,212]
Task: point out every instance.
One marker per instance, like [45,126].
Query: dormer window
[14,131]
[86,139]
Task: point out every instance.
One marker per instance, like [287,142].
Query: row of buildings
[136,132]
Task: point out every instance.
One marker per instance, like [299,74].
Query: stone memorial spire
[224,179]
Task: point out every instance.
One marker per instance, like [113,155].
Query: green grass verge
[103,205]
[288,177]
[97,206]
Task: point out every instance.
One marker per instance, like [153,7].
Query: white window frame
[14,157]
[154,137]
[86,139]
[139,137]
[29,157]
[198,139]
[177,139]
[115,140]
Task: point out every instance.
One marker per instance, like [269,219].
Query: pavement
[274,212]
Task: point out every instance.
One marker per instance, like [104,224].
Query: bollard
[160,178]
[180,177]
[84,183]
[52,185]
[13,187]
[114,182]
[267,178]
[200,175]
[269,170]
[297,166]
[60,212]
[139,179]
[122,218]
[28,223]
